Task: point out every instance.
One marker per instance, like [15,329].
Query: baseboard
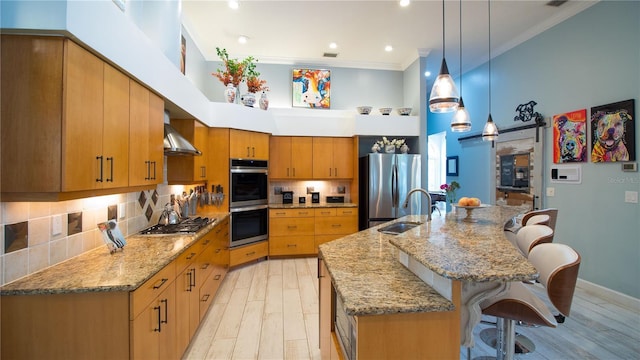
[610,295]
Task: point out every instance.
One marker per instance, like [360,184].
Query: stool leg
[506,337]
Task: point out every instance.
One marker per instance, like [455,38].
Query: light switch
[56,225]
[121,210]
[631,197]
[551,192]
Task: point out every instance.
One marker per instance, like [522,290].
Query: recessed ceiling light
[233,4]
[333,45]
[427,73]
[388,48]
[404,3]
[243,39]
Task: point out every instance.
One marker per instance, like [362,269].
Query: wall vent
[330,55]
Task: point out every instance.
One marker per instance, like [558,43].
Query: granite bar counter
[99,271]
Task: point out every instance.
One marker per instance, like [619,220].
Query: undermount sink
[399,227]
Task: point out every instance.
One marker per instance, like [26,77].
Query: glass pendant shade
[461,121]
[444,95]
[490,132]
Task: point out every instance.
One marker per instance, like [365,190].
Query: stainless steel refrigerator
[385,180]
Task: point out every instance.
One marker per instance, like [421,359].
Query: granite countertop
[367,275]
[311,205]
[99,271]
[467,251]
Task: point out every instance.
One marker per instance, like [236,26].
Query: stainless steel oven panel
[248,180]
[248,225]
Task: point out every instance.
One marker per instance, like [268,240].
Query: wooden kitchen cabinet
[332,158]
[189,169]
[248,145]
[291,232]
[290,157]
[146,131]
[334,223]
[154,330]
[247,253]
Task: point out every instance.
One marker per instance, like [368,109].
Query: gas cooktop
[186,226]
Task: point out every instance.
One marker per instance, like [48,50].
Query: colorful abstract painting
[570,137]
[613,132]
[311,88]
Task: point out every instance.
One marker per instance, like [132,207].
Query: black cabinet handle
[162,281]
[99,158]
[154,170]
[217,277]
[189,282]
[254,151]
[110,179]
[148,165]
[205,298]
[159,328]
[166,311]
[248,152]
[193,278]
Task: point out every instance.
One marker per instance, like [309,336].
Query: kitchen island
[428,269]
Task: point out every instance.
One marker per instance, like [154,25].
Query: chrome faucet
[406,201]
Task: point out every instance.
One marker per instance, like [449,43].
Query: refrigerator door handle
[394,186]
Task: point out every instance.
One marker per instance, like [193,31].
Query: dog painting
[612,132]
[570,137]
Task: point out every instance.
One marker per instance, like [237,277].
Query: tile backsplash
[301,188]
[58,231]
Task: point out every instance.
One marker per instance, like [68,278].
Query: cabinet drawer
[336,225]
[208,291]
[187,258]
[325,212]
[347,211]
[205,263]
[288,213]
[248,253]
[291,226]
[291,245]
[148,291]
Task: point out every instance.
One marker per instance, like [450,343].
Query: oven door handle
[248,208]
[249,171]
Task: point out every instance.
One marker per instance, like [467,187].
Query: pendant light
[461,121]
[444,95]
[490,132]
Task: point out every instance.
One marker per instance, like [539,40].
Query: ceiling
[298,32]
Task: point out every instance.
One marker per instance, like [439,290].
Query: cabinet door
[189,169]
[239,144]
[156,138]
[139,165]
[280,159]
[343,158]
[31,68]
[115,144]
[82,158]
[186,305]
[260,145]
[323,157]
[302,157]
[154,330]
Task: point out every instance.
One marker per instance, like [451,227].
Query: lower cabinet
[154,330]
[248,253]
[334,223]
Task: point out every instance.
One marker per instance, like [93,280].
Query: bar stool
[533,235]
[558,266]
[532,217]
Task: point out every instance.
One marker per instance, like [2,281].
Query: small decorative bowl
[404,111]
[364,110]
[385,111]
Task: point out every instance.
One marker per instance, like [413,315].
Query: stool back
[532,235]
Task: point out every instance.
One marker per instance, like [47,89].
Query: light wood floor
[269,310]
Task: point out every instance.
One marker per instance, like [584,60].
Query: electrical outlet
[121,210]
[631,197]
[56,225]
[277,190]
[551,192]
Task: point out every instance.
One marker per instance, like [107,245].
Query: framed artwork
[452,166]
[311,88]
[613,132]
[570,137]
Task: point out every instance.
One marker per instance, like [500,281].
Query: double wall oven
[248,201]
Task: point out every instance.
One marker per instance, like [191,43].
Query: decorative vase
[248,99]
[390,149]
[264,101]
[375,148]
[404,149]
[230,93]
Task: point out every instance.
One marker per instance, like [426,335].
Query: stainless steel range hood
[174,143]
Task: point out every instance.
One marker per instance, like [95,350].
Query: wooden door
[155,142]
[259,145]
[323,157]
[115,143]
[280,159]
[82,130]
[154,330]
[201,134]
[343,158]
[139,163]
[302,157]
[31,78]
[239,141]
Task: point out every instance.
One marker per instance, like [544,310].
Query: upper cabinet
[66,122]
[333,158]
[248,145]
[290,157]
[189,169]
